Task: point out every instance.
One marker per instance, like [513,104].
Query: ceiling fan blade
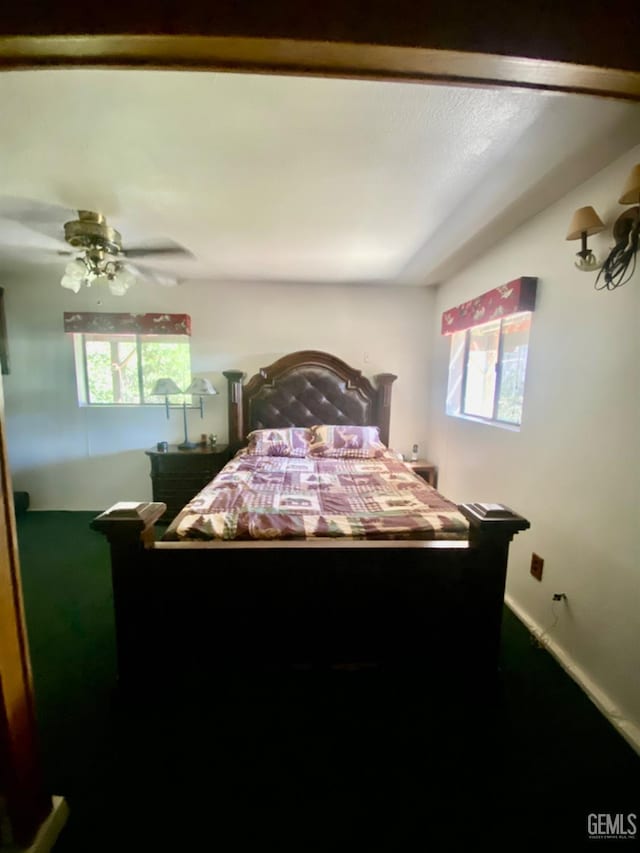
[31,210]
[42,217]
[29,256]
[13,233]
[142,252]
[152,276]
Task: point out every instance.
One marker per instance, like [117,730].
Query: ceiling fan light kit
[100,262]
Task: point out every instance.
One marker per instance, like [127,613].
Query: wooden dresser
[178,475]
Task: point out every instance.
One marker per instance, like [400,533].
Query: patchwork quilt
[274,497]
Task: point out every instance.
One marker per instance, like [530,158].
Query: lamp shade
[76,269]
[121,281]
[164,387]
[200,386]
[585,220]
[71,283]
[631,191]
[74,275]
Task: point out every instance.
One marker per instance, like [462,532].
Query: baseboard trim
[48,832]
[629,730]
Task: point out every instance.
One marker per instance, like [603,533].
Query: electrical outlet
[536,566]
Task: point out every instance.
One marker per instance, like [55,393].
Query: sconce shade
[584,220]
[631,191]
[165,386]
[200,386]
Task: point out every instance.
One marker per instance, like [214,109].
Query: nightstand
[178,475]
[427,470]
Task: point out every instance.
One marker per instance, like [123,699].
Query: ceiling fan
[102,258]
[97,250]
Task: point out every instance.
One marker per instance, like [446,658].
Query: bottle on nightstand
[414,453]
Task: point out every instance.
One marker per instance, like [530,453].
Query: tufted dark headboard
[306,388]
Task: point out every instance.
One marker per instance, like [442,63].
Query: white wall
[69,457]
[574,468]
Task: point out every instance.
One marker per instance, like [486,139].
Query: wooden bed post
[235,408]
[130,532]
[384,381]
[491,529]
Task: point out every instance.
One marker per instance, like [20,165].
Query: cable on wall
[619,266]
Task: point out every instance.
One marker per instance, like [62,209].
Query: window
[489,346]
[487,369]
[117,370]
[120,357]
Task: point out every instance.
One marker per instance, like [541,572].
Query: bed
[397,578]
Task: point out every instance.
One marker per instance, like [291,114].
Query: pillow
[289,441]
[342,442]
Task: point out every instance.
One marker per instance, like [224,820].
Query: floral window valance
[518,295]
[93,322]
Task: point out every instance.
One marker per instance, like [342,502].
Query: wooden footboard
[185,608]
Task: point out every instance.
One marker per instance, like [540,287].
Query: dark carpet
[306,761]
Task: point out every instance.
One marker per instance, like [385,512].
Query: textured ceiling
[269,178]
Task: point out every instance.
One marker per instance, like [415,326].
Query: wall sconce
[200,387]
[584,223]
[619,265]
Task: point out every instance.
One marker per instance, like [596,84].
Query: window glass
[456,372]
[112,369]
[482,358]
[165,356]
[513,366]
